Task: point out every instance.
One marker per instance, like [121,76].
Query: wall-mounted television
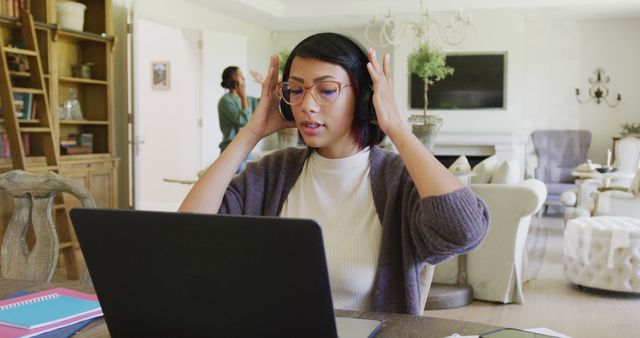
[478,82]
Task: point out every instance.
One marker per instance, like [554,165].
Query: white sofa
[495,268]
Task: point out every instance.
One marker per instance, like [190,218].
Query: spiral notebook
[44,311]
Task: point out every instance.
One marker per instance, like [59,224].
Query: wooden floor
[552,302]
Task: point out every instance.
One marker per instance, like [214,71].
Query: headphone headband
[364,107]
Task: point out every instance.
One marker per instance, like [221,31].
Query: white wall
[165,117]
[546,61]
[185,14]
[510,41]
[493,36]
[185,164]
[563,56]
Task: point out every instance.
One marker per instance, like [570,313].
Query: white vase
[426,129]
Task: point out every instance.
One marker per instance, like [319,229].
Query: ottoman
[603,252]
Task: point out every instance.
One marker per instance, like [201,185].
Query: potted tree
[430,65]
[284,55]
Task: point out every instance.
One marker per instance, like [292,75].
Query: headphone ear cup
[366,110]
[285,110]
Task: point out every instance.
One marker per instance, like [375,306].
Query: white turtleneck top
[336,193]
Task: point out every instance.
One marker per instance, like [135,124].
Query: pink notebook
[15,303]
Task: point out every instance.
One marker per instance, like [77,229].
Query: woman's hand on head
[387,114]
[266,119]
[241,89]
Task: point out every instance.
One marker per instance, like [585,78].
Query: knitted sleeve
[262,187]
[449,224]
[437,227]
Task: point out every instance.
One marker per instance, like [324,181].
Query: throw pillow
[484,170]
[460,165]
[508,172]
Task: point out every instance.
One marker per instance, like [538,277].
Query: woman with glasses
[383,215]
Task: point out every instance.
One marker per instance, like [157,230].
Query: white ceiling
[281,15]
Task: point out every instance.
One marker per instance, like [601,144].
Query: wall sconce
[598,91]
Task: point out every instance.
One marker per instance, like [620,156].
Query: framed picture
[160,75]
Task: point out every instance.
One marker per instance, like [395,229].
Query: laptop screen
[178,274]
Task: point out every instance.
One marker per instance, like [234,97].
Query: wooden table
[395,325]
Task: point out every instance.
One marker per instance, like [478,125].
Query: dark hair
[227,77]
[352,57]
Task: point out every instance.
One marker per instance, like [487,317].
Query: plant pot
[426,129]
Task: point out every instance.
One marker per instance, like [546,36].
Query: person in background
[235,107]
[383,215]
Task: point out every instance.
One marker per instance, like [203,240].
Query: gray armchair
[559,152]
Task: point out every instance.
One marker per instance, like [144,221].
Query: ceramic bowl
[606,169]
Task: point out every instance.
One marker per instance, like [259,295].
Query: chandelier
[391,32]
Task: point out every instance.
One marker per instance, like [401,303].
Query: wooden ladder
[39,130]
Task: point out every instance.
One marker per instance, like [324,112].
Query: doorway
[219,50]
[176,128]
[166,113]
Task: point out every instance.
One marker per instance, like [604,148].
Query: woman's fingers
[372,72]
[271,82]
[377,71]
[386,66]
[372,59]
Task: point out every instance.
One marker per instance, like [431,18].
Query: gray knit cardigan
[414,231]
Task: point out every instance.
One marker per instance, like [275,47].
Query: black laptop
[160,274]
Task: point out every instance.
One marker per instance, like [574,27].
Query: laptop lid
[179,274]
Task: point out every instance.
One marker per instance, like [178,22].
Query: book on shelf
[25,105]
[5,145]
[76,150]
[11,7]
[68,142]
[33,110]
[76,144]
[44,311]
[22,102]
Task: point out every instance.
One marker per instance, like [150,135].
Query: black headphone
[365,110]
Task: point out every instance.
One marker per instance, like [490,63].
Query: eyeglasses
[324,92]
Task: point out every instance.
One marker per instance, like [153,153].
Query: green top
[232,117]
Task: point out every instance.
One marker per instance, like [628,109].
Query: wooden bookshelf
[60,51]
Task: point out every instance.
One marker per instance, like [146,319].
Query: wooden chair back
[33,196]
